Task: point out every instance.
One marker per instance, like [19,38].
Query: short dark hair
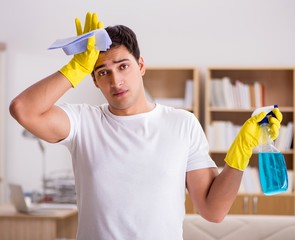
[122,35]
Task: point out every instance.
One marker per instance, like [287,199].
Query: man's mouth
[120,93]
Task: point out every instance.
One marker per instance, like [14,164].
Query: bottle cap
[265,119]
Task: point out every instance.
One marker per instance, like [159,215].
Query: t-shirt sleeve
[199,148]
[73,113]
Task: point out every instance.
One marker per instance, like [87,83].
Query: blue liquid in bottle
[272,172]
[271,162]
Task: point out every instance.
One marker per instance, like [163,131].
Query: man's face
[119,77]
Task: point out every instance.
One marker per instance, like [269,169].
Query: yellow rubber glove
[240,152]
[275,123]
[82,64]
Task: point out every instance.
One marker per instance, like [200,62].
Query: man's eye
[124,66]
[102,73]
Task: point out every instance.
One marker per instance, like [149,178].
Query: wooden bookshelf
[278,88]
[170,83]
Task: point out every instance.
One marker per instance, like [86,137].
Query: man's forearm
[223,190]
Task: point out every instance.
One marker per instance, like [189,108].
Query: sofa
[241,227]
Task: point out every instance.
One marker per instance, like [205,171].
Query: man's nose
[116,80]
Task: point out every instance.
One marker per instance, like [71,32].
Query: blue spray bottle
[271,162]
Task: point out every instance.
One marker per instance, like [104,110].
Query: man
[132,159]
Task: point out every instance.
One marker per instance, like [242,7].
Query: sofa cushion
[242,227]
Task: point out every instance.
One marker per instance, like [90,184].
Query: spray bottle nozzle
[267,109]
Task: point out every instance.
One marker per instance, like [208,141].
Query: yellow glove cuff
[240,151]
[237,157]
[73,71]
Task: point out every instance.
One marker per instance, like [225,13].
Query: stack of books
[229,94]
[186,102]
[251,184]
[221,134]
[285,138]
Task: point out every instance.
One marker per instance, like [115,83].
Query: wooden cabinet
[169,83]
[263,205]
[276,86]
[59,224]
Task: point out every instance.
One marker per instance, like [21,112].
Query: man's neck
[146,107]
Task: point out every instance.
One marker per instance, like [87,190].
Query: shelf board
[225,109]
[225,151]
[263,195]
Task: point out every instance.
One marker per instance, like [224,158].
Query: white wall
[188,32]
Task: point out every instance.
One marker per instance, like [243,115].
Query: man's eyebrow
[118,61]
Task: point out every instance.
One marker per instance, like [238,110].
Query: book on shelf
[217,96]
[221,134]
[258,94]
[250,180]
[185,102]
[228,92]
[285,139]
[243,94]
[189,94]
[251,183]
[237,94]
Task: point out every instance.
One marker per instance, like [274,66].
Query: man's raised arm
[35,108]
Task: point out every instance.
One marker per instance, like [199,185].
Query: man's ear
[94,80]
[141,65]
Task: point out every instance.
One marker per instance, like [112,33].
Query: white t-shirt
[130,171]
